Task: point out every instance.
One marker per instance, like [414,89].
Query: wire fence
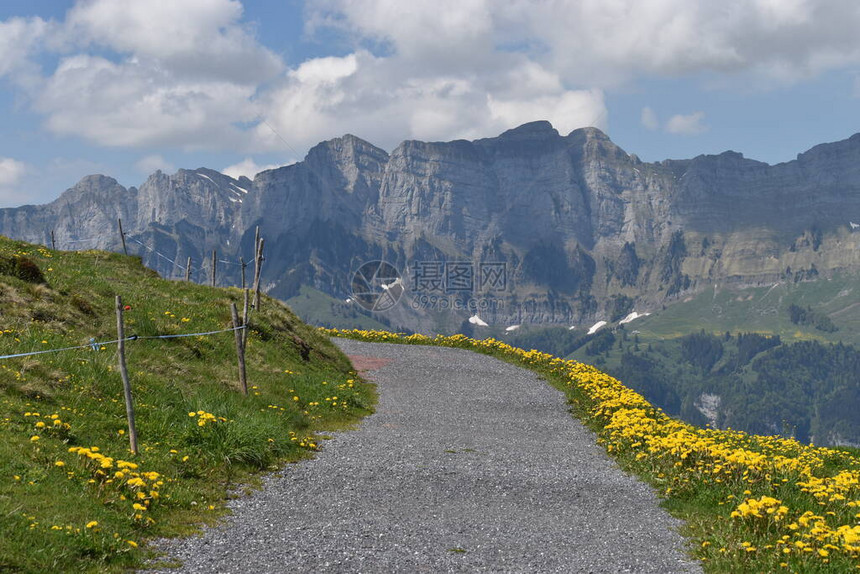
[163,256]
[239,328]
[95,345]
[186,268]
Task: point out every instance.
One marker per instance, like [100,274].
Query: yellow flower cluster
[204,418]
[51,425]
[763,507]
[140,487]
[789,477]
[306,442]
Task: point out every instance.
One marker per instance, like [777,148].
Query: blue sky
[124,87]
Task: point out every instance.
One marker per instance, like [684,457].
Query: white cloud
[136,103]
[11,171]
[193,74]
[151,163]
[247,167]
[604,43]
[194,38]
[387,99]
[20,40]
[472,68]
[609,42]
[649,119]
[689,124]
[17,38]
[446,34]
[566,111]
[181,74]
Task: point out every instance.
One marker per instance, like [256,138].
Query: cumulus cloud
[611,42]
[136,103]
[600,44]
[11,171]
[194,38]
[193,74]
[247,167]
[649,119]
[566,111]
[20,41]
[471,68]
[689,124]
[182,74]
[151,163]
[388,99]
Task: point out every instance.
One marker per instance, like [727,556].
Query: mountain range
[578,229]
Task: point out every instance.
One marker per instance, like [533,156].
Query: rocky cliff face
[576,221]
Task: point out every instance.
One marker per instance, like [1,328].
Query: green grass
[761,310]
[68,510]
[321,309]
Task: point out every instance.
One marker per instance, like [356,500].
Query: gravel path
[469,465]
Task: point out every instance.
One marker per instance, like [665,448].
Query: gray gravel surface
[469,465]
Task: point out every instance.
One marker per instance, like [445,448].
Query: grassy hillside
[72,495]
[321,309]
[762,310]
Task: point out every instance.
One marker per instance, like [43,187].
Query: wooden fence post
[243,265]
[123,371]
[245,321]
[256,254]
[214,265]
[257,270]
[188,270]
[122,236]
[240,348]
[53,243]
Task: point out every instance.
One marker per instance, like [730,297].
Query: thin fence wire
[88,239]
[95,345]
[154,251]
[163,256]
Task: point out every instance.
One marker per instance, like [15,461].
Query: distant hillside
[781,359]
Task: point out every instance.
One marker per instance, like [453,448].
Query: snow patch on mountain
[596,327]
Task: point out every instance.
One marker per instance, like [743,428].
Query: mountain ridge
[575,219]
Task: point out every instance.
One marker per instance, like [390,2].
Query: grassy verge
[72,496]
[750,503]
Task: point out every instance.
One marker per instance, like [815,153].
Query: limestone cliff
[574,219]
